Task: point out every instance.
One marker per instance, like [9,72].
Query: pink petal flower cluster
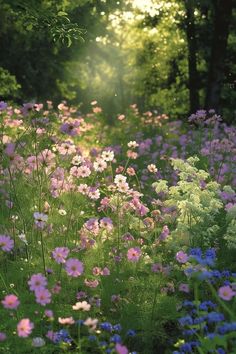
[38,283]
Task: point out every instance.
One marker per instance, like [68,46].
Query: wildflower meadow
[116,240]
[117,177]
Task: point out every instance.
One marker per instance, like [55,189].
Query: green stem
[43,256]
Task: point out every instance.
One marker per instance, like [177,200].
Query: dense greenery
[174,56]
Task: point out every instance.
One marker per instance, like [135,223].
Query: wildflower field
[116,239]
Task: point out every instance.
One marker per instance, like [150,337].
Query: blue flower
[103,344]
[215,317]
[107,326]
[221,351]
[116,338]
[195,252]
[131,333]
[63,336]
[186,321]
[187,303]
[227,327]
[92,338]
[216,274]
[210,253]
[199,320]
[205,305]
[117,327]
[226,282]
[225,273]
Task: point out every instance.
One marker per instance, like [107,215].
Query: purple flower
[3,105]
[74,267]
[6,243]
[60,254]
[181,257]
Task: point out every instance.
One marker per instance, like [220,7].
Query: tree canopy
[172,56]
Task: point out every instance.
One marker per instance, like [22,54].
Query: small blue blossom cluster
[202,270]
[62,336]
[207,326]
[114,338]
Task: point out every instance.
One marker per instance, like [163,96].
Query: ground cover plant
[116,239]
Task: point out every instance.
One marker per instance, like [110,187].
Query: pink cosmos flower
[60,254]
[37,281]
[121,349]
[49,313]
[43,296]
[66,320]
[91,283]
[11,302]
[74,267]
[134,254]
[91,323]
[93,193]
[157,267]
[66,148]
[24,327]
[181,257]
[83,306]
[97,271]
[56,288]
[6,243]
[83,171]
[226,293]
[83,188]
[106,271]
[106,223]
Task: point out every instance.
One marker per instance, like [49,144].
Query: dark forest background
[172,56]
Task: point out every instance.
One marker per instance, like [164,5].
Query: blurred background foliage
[172,56]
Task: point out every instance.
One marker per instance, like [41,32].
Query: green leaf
[62,13]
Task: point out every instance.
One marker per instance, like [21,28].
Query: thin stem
[43,256]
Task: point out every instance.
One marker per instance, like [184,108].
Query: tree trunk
[192,57]
[223,12]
